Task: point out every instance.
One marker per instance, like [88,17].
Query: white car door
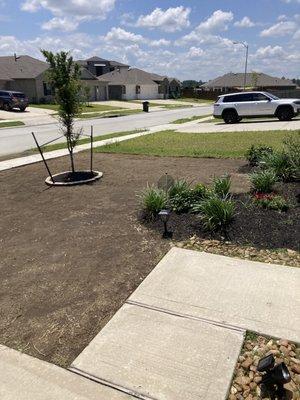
[242,103]
[262,104]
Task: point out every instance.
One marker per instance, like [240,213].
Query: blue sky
[187,39]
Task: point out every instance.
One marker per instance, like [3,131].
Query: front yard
[85,109]
[176,144]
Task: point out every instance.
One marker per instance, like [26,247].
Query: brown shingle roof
[252,80]
[25,67]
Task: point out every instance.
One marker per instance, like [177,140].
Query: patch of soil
[252,224]
[71,257]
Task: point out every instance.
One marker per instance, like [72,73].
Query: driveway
[253,125]
[32,116]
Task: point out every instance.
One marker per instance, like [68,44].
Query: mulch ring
[246,381]
[252,225]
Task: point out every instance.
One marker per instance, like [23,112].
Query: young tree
[64,77]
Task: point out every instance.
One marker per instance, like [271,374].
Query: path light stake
[42,155]
[92,139]
[275,376]
[164,216]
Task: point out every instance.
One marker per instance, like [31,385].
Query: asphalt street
[18,139]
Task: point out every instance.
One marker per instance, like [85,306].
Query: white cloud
[62,24]
[244,23]
[282,28]
[116,35]
[170,20]
[160,42]
[70,10]
[195,52]
[269,51]
[218,21]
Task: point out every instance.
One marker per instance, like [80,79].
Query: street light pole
[246,61]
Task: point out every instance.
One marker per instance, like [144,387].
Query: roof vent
[16,58]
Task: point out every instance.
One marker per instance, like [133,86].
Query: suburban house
[27,74]
[134,83]
[106,80]
[254,80]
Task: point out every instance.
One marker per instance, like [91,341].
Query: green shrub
[271,201]
[292,150]
[153,200]
[279,162]
[215,213]
[221,186]
[256,153]
[263,181]
[182,197]
[180,186]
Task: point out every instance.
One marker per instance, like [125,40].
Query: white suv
[233,107]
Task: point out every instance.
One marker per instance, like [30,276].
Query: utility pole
[246,61]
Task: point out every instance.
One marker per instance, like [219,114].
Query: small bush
[216,213]
[263,181]
[153,200]
[256,153]
[221,186]
[180,186]
[279,162]
[182,197]
[271,201]
[292,150]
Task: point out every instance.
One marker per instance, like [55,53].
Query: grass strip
[11,123]
[215,145]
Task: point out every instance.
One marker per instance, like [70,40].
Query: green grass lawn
[58,146]
[216,145]
[90,108]
[10,123]
[184,120]
[109,114]
[195,100]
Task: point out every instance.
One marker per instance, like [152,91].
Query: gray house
[106,79]
[27,74]
[254,80]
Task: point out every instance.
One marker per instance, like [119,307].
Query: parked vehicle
[10,100]
[233,107]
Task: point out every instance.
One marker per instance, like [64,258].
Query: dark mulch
[252,225]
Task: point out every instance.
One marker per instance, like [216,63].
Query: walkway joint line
[187,316]
[111,384]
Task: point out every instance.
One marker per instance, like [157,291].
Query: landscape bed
[247,380]
[71,256]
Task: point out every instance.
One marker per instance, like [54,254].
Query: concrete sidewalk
[180,333]
[255,125]
[26,378]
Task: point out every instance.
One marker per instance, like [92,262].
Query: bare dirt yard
[71,256]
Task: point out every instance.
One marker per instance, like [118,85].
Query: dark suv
[10,100]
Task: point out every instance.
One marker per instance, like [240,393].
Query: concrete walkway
[26,378]
[21,161]
[179,334]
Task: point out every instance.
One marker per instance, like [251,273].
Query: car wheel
[7,107]
[22,109]
[285,114]
[230,117]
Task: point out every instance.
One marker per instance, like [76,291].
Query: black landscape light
[275,376]
[164,216]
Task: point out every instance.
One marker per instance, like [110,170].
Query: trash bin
[146,106]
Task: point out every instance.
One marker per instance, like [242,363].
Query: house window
[47,89]
[123,89]
[137,89]
[161,89]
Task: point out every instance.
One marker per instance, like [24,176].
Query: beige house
[27,74]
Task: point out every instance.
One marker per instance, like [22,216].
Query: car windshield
[271,95]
